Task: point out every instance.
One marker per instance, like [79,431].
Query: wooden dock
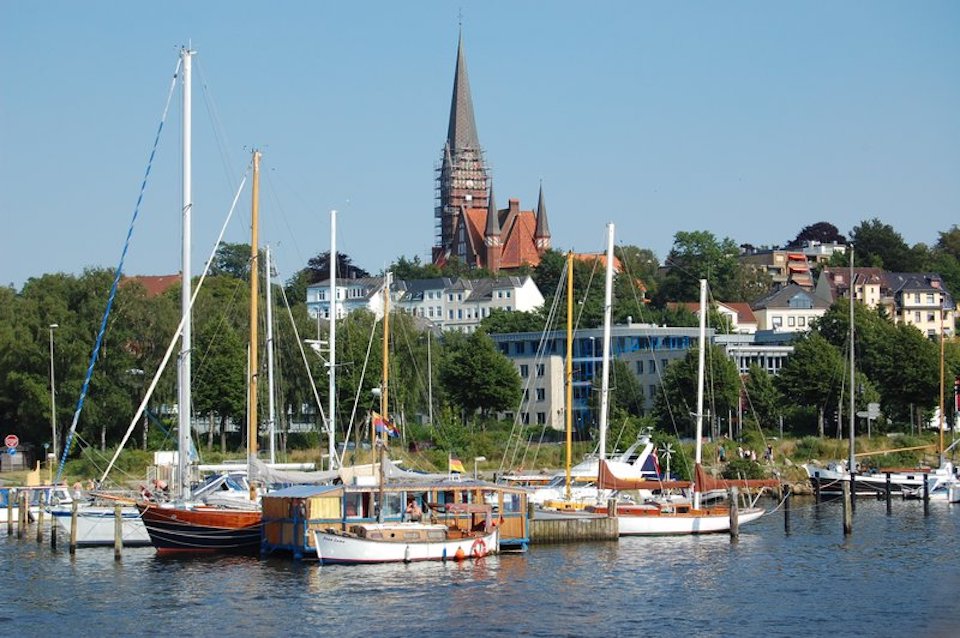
[547,527]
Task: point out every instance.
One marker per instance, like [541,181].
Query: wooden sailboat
[184,526]
[662,518]
[406,541]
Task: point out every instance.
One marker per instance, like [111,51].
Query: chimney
[514,206]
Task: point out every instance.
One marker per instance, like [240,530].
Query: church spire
[462,131]
[542,233]
[491,236]
[493,216]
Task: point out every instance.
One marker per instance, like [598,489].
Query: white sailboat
[665,518]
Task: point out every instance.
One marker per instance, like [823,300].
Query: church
[469,225]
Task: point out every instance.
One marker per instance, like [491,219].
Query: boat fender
[479,548]
[460,554]
[406,554]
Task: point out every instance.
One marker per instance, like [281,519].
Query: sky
[747,119]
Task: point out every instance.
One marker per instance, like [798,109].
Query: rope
[116,281]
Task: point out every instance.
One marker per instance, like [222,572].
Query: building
[646,349]
[917,299]
[738,314]
[790,309]
[769,350]
[784,266]
[449,303]
[469,225]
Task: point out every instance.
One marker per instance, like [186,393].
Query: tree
[812,375]
[700,255]
[410,269]
[476,376]
[501,321]
[763,400]
[878,244]
[318,268]
[949,242]
[823,232]
[676,402]
[232,260]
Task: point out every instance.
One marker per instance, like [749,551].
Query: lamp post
[476,460]
[53,397]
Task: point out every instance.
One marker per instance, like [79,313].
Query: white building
[452,304]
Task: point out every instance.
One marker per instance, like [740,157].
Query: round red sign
[12,440]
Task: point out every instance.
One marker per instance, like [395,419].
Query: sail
[708,483]
[613,477]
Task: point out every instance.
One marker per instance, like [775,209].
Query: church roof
[462,130]
[543,228]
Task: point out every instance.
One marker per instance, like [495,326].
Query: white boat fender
[406,554]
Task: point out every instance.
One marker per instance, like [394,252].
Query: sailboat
[663,517]
[185,526]
[414,540]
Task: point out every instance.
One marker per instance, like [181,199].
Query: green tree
[823,232]
[232,260]
[878,244]
[763,400]
[476,376]
[812,375]
[676,402]
[700,255]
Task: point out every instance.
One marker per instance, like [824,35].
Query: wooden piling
[612,508]
[816,492]
[847,510]
[926,497]
[117,532]
[73,528]
[786,512]
[853,491]
[887,493]
[10,513]
[53,531]
[734,514]
[43,506]
[22,517]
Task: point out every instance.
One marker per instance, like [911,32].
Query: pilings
[73,528]
[732,493]
[847,509]
[786,512]
[887,494]
[43,507]
[117,532]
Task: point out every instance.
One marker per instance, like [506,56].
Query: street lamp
[53,396]
[476,460]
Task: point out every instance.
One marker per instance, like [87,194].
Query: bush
[743,468]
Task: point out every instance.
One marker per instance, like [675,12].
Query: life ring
[479,548]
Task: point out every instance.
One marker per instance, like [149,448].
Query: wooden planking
[573,530]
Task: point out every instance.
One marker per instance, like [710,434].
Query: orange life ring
[479,548]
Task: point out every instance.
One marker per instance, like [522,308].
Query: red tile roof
[154,284]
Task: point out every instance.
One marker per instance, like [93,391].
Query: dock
[551,527]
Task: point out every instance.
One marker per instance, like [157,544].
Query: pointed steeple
[493,217]
[462,131]
[542,233]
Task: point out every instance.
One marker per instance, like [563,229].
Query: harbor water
[895,575]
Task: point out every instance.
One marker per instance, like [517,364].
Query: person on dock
[721,454]
[413,513]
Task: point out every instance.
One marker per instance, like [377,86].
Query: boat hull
[338,548]
[669,524]
[829,481]
[96,526]
[202,530]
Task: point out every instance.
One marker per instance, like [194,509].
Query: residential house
[790,309]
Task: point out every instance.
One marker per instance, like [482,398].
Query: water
[896,575]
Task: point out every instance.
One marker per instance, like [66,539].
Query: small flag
[382,425]
[456,465]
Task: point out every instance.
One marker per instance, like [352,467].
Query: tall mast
[853,415]
[941,379]
[272,418]
[569,370]
[254,293]
[184,374]
[607,311]
[701,354]
[386,353]
[332,371]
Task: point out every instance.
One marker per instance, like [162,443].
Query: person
[721,454]
[77,491]
[413,513]
[753,455]
[768,455]
[740,452]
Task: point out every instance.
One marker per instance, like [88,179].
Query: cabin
[291,515]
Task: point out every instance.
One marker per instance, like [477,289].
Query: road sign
[12,451]
[12,440]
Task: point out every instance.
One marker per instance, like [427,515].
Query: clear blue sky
[748,119]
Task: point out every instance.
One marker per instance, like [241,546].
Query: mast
[183,371]
[569,370]
[386,351]
[332,371]
[272,418]
[853,414]
[942,459]
[254,293]
[700,374]
[607,310]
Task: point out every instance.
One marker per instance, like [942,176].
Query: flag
[456,465]
[382,425]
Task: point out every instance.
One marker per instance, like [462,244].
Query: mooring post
[43,506]
[889,507]
[10,499]
[816,491]
[22,517]
[73,528]
[734,514]
[847,510]
[117,532]
[786,512]
[926,497]
[53,530]
[853,491]
[612,508]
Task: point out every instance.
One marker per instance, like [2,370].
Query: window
[663,364]
[916,297]
[451,314]
[639,367]
[520,347]
[540,369]
[801,321]
[508,294]
[541,418]
[526,418]
[916,316]
[653,391]
[526,394]
[450,297]
[929,297]
[777,321]
[541,394]
[651,366]
[460,314]
[931,317]
[791,321]
[524,371]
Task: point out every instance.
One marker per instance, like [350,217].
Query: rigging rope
[116,281]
